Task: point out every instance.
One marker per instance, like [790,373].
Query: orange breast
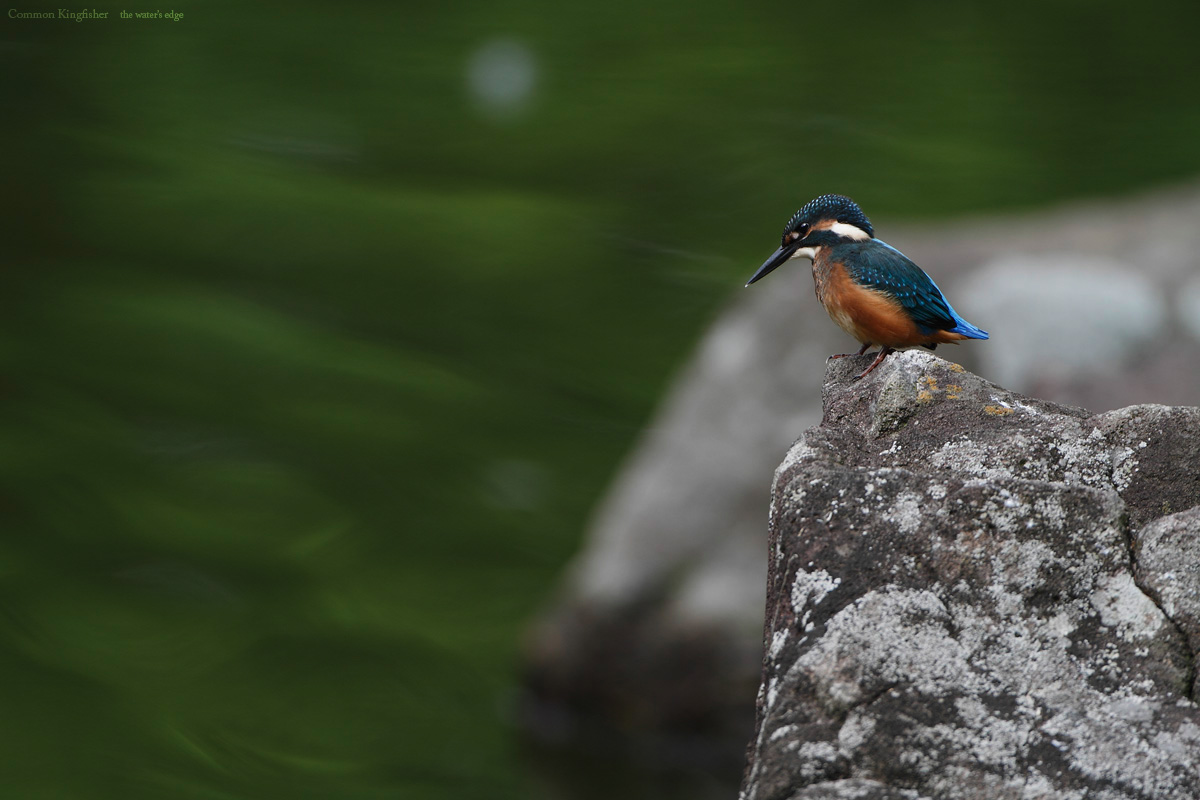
[870,316]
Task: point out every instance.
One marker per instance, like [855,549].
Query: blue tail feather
[962,326]
[966,328]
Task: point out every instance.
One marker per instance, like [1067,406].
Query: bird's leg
[878,360]
[861,350]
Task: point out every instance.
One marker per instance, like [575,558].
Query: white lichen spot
[843,693]
[998,740]
[1061,624]
[888,636]
[808,590]
[1081,461]
[1030,410]
[782,731]
[1124,466]
[1122,605]
[815,758]
[855,731]
[1050,509]
[971,459]
[906,512]
[1133,709]
[778,640]
[1019,564]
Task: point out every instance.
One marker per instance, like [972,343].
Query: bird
[870,289]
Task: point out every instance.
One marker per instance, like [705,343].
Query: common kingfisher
[872,291]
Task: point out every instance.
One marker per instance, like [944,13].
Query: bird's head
[828,220]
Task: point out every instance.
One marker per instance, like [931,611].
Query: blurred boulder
[954,609]
[1091,301]
[658,622]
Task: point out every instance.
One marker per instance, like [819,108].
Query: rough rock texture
[673,568]
[1167,553]
[976,594]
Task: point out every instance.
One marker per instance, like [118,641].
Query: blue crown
[831,206]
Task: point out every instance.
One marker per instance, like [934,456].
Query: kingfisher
[870,289]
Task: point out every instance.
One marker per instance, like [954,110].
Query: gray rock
[854,789]
[952,602]
[1167,552]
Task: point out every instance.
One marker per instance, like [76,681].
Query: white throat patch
[804,252]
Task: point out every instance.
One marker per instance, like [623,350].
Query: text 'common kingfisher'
[870,289]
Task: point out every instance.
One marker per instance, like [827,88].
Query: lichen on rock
[977,594]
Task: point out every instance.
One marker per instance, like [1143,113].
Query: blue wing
[882,267]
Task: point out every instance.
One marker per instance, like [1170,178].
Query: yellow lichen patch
[955,368]
[927,389]
[997,411]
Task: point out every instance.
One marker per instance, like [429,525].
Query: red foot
[884,353]
[861,350]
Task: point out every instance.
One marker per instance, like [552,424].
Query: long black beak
[778,257]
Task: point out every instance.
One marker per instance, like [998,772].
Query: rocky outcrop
[976,594]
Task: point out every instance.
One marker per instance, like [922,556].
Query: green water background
[314,361]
